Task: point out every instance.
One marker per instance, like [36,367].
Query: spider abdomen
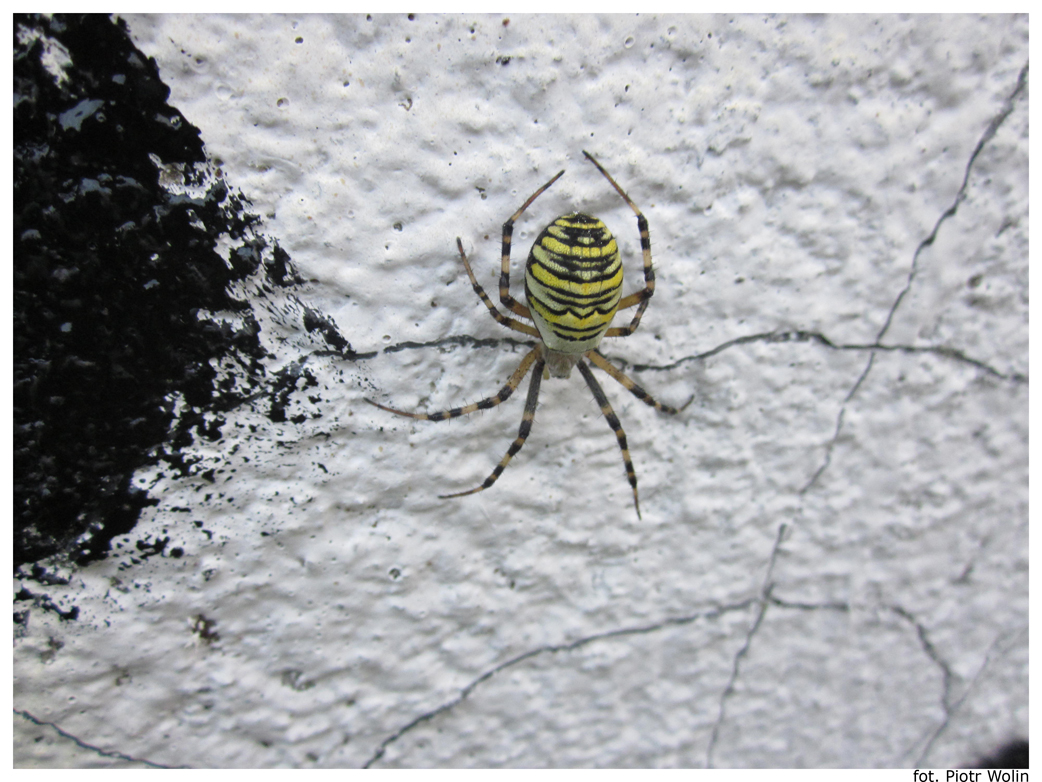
[573,282]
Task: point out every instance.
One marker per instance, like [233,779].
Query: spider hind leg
[526,426]
[616,426]
[503,395]
[624,380]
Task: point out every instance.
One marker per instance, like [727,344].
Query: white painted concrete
[830,571]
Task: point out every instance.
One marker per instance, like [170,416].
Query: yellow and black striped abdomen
[573,282]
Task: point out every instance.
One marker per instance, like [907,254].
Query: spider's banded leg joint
[509,301]
[534,196]
[626,382]
[505,320]
[642,297]
[526,427]
[621,192]
[616,426]
[504,394]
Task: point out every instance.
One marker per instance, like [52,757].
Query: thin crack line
[773,337]
[940,350]
[1003,642]
[554,649]
[762,599]
[460,340]
[84,745]
[946,672]
[948,706]
[781,602]
[932,653]
[989,133]
[952,709]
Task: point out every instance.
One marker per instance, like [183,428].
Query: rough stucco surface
[832,565]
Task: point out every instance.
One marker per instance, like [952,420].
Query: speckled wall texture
[831,569]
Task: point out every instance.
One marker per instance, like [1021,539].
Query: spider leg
[526,426]
[484,404]
[508,231]
[613,422]
[506,320]
[603,363]
[641,297]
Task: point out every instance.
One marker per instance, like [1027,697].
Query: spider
[573,285]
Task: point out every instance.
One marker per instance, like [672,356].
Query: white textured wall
[832,565]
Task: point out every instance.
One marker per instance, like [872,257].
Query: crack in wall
[762,599]
[946,672]
[89,747]
[989,133]
[987,136]
[1003,643]
[770,337]
[554,649]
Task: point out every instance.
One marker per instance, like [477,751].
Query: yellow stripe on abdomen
[573,281]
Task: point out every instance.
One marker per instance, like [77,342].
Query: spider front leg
[643,297]
[508,231]
[506,320]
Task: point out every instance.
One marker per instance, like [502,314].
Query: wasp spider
[573,284]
